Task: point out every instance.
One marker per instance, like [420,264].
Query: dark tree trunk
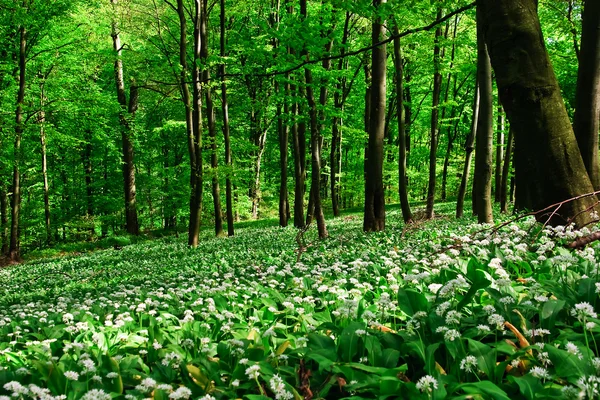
[462,190]
[14,246]
[299,141]
[42,122]
[505,170]
[131,218]
[210,120]
[315,140]
[485,132]
[402,182]
[4,218]
[193,117]
[548,164]
[226,138]
[437,86]
[87,169]
[282,129]
[374,217]
[587,99]
[499,153]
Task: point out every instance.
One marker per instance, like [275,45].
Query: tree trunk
[131,218]
[462,190]
[402,178]
[374,217]
[336,123]
[210,120]
[548,164]
[499,153]
[299,138]
[437,86]
[586,121]
[282,129]
[505,170]
[4,218]
[485,132]
[14,247]
[315,139]
[42,122]
[87,169]
[226,138]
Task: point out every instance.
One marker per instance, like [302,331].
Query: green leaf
[485,357]
[411,301]
[348,341]
[478,281]
[390,358]
[528,384]
[550,313]
[566,365]
[486,388]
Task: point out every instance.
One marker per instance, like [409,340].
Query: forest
[227,199]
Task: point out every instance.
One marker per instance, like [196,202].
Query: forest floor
[441,309]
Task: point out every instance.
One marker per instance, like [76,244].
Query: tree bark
[299,142]
[437,86]
[128,166]
[402,179]
[586,121]
[4,218]
[87,169]
[14,246]
[548,165]
[226,138]
[505,170]
[485,132]
[499,154]
[374,217]
[462,190]
[315,140]
[210,120]
[42,122]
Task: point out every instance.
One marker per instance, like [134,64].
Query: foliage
[449,310]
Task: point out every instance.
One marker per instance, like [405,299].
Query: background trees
[260,79]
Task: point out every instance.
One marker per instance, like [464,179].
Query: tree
[433,141]
[462,190]
[586,121]
[548,165]
[226,138]
[131,217]
[399,70]
[374,217]
[485,132]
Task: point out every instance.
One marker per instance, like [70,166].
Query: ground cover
[444,310]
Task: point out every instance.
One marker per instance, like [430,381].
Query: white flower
[112,375]
[427,383]
[539,372]
[468,363]
[96,394]
[583,311]
[72,375]
[278,388]
[253,371]
[451,335]
[573,349]
[181,393]
[206,397]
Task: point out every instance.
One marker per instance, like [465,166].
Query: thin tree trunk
[315,139]
[299,141]
[586,121]
[4,218]
[226,138]
[87,169]
[374,216]
[402,182]
[210,120]
[437,85]
[42,122]
[485,132]
[548,165]
[462,190]
[131,218]
[505,170]
[499,153]
[14,247]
